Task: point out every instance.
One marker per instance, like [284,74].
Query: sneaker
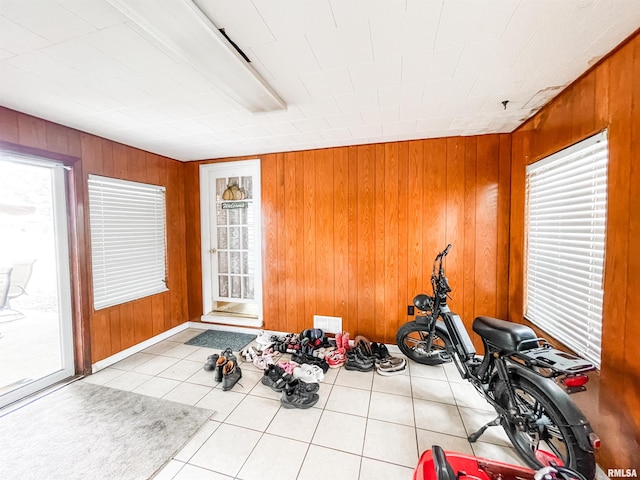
[275,378]
[308,387]
[316,371]
[391,362]
[304,373]
[390,370]
[231,375]
[358,362]
[264,339]
[380,350]
[210,364]
[299,398]
[301,358]
[339,340]
[336,358]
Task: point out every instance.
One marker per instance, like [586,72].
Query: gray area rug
[221,340]
[85,431]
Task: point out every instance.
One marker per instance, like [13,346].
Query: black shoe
[359,362]
[231,375]
[298,398]
[210,364]
[300,384]
[275,378]
[380,351]
[301,358]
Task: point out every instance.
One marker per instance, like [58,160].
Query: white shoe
[318,374]
[304,373]
[264,339]
[389,370]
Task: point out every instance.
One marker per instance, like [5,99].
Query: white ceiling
[351,71]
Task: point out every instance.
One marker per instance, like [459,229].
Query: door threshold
[231,320]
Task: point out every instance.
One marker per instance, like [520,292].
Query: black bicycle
[523,377]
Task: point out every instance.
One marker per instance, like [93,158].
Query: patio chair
[20,276]
[7,313]
[5,284]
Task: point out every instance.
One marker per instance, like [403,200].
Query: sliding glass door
[36,342]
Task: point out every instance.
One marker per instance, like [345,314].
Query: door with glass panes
[233,249]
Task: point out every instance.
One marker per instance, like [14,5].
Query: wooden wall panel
[605,97]
[352,232]
[420,189]
[504,201]
[340,232]
[387,325]
[366,240]
[309,238]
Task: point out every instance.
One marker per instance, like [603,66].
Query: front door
[231,251]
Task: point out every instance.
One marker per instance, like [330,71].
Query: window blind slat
[566,206]
[128,240]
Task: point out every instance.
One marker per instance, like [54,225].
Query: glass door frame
[62,252]
[207,211]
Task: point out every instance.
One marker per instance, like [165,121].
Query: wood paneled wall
[352,232]
[608,97]
[111,330]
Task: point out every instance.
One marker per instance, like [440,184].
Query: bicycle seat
[502,334]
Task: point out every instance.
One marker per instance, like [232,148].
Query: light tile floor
[365,426]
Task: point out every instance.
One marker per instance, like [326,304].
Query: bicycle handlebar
[438,280]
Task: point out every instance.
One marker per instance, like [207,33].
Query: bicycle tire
[557,435]
[409,345]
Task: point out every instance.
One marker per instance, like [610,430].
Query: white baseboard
[107,362]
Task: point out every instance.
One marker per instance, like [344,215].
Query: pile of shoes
[314,347]
[297,392]
[226,368]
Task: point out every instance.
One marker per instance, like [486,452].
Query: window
[128,240]
[566,206]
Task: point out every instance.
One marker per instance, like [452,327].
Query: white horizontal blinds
[565,226]
[128,240]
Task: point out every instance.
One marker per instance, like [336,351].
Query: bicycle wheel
[545,430]
[412,341]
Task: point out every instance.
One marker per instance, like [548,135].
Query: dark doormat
[221,340]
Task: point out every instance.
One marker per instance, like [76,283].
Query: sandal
[263,361]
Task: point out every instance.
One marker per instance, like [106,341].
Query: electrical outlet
[411,310]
